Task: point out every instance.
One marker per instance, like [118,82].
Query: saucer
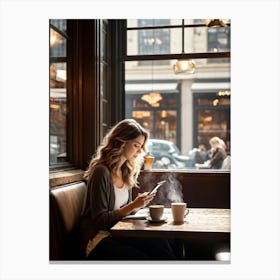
[163,219]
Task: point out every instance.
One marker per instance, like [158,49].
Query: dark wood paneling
[83,91]
[198,189]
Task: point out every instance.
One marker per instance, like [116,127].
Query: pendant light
[216,23]
[184,65]
[153,97]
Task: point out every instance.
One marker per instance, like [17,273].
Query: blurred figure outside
[217,155]
[218,152]
[199,155]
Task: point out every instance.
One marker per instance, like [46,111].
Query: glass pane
[176,107]
[58,44]
[154,41]
[57,38]
[60,24]
[58,93]
[200,39]
[57,113]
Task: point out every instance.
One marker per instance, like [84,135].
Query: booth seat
[66,206]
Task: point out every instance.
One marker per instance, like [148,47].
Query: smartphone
[156,186]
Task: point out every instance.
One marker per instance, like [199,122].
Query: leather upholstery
[70,201]
[66,206]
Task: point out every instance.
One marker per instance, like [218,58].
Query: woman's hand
[143,199]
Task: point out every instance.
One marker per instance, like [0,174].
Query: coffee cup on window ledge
[148,162]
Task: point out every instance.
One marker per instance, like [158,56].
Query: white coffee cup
[156,212]
[179,211]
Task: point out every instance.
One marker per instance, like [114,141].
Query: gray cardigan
[99,213]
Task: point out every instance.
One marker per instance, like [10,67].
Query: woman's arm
[140,201]
[101,198]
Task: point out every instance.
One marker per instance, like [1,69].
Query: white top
[121,197]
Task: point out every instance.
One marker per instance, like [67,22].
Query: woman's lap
[111,248]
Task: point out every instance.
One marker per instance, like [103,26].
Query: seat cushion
[66,206]
[70,199]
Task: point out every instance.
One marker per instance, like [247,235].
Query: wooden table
[200,223]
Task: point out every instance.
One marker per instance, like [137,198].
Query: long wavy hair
[111,149]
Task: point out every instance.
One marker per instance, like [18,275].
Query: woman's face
[133,148]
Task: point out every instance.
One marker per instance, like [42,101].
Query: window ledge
[62,177]
[65,177]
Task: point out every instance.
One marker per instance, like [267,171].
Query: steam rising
[170,191]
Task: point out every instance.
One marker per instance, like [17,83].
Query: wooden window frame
[89,113]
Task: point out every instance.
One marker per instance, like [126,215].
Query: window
[154,41]
[58,92]
[100,74]
[86,80]
[218,40]
[186,110]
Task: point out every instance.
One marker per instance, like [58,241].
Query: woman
[111,175]
[218,152]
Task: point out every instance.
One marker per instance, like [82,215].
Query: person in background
[202,154]
[198,155]
[218,153]
[111,175]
